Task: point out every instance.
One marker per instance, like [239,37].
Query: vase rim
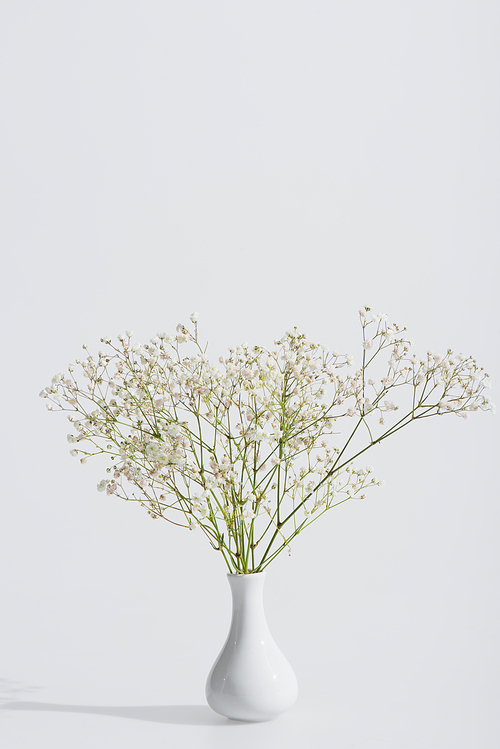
[246,574]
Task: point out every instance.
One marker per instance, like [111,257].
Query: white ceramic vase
[251,680]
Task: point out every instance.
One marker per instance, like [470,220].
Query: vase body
[251,680]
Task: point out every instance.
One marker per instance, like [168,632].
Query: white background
[267,164]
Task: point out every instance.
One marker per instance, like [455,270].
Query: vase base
[250,711]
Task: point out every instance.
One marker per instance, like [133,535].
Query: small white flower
[194,317]
[101,486]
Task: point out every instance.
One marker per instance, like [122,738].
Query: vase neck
[248,593]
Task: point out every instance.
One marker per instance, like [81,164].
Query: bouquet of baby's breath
[250,450]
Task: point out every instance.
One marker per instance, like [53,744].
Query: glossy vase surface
[251,680]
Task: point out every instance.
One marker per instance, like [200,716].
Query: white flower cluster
[248,449]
